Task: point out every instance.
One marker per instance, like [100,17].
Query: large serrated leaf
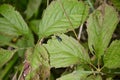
[13,21]
[32,8]
[65,51]
[5,56]
[76,75]
[112,55]
[39,62]
[100,27]
[62,16]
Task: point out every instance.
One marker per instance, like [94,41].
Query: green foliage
[100,28]
[112,55]
[13,21]
[58,18]
[5,56]
[46,49]
[116,3]
[25,42]
[92,77]
[34,25]
[38,59]
[66,52]
[32,8]
[76,75]
[4,39]
[6,25]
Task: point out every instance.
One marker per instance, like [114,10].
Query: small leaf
[14,22]
[65,52]
[32,8]
[112,55]
[25,42]
[100,27]
[5,56]
[93,77]
[75,75]
[34,25]
[62,16]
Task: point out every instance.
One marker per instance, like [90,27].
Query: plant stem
[21,73]
[68,18]
[80,32]
[101,68]
[98,65]
[93,66]
[47,3]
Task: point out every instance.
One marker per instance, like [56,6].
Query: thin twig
[98,65]
[68,18]
[25,48]
[41,41]
[93,66]
[80,32]
[101,68]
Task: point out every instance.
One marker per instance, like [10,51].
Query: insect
[58,38]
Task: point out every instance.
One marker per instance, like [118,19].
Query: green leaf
[39,57]
[32,8]
[112,55]
[7,68]
[100,27]
[93,77]
[13,21]
[5,40]
[7,28]
[110,78]
[62,16]
[39,61]
[24,42]
[75,75]
[116,3]
[65,51]
[5,56]
[34,25]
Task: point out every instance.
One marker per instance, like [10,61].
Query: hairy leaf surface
[62,16]
[112,55]
[75,75]
[100,27]
[65,51]
[12,21]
